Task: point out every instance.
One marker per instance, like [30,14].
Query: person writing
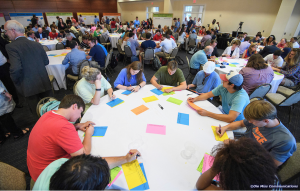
[130,76]
[234,98]
[169,75]
[233,50]
[250,51]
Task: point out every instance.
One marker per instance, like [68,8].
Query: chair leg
[57,84]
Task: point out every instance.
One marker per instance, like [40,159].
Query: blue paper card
[52,55]
[115,102]
[127,92]
[235,63]
[218,65]
[99,131]
[183,118]
[157,92]
[144,186]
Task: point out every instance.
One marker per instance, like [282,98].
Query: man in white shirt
[198,25]
[167,46]
[294,41]
[185,22]
[274,60]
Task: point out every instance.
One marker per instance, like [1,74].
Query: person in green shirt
[118,30]
[97,32]
[169,75]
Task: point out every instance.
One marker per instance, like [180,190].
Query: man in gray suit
[28,60]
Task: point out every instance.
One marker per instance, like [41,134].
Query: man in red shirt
[54,137]
[53,34]
[157,36]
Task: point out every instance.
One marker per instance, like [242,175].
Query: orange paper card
[193,106]
[139,109]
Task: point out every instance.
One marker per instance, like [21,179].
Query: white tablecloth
[165,168]
[114,39]
[56,68]
[242,62]
[199,38]
[51,44]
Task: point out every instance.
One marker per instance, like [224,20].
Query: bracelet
[98,89]
[140,86]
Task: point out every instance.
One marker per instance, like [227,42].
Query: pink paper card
[115,178]
[207,164]
[156,129]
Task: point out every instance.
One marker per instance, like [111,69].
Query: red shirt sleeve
[68,139]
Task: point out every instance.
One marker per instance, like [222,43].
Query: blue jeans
[134,58]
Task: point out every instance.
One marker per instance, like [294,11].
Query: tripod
[237,30]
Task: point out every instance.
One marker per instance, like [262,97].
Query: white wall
[293,22]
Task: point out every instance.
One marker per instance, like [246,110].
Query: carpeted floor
[14,152]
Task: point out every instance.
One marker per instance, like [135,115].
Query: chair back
[192,42]
[60,46]
[174,52]
[175,36]
[291,100]
[149,54]
[11,178]
[290,170]
[107,59]
[102,40]
[260,91]
[45,48]
[119,48]
[188,62]
[207,43]
[127,50]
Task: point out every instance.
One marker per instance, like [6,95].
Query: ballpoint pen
[160,106]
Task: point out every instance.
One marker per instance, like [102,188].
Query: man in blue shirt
[191,25]
[107,21]
[35,28]
[234,98]
[96,52]
[177,25]
[199,58]
[133,44]
[42,35]
[147,44]
[136,22]
[207,79]
[73,58]
[31,36]
[96,20]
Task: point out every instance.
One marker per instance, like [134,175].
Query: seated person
[291,69]
[199,58]
[147,44]
[40,34]
[256,73]
[92,85]
[93,28]
[167,46]
[232,51]
[214,54]
[96,52]
[69,39]
[234,98]
[66,174]
[202,31]
[133,44]
[269,49]
[206,79]
[212,34]
[274,59]
[73,58]
[157,35]
[256,40]
[53,34]
[143,37]
[181,35]
[287,49]
[250,51]
[35,28]
[54,137]
[85,42]
[281,44]
[294,41]
[244,45]
[130,76]
[97,32]
[61,34]
[193,35]
[31,36]
[249,162]
[263,126]
[204,39]
[169,75]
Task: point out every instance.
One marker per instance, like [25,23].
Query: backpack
[113,61]
[51,105]
[156,63]
[179,60]
[163,61]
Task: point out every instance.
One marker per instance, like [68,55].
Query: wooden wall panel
[99,6]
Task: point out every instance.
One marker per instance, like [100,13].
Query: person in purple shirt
[130,76]
[245,45]
[204,39]
[256,73]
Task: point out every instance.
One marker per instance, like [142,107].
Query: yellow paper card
[149,99]
[218,138]
[58,55]
[133,174]
[163,89]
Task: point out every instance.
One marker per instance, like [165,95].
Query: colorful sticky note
[113,173]
[207,164]
[99,131]
[171,93]
[218,138]
[127,92]
[183,118]
[200,165]
[163,89]
[133,174]
[193,106]
[115,102]
[119,174]
[235,63]
[277,73]
[157,92]
[232,65]
[150,99]
[139,109]
[64,54]
[58,55]
[51,54]
[144,186]
[156,129]
[174,100]
[218,65]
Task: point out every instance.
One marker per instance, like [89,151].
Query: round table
[161,154]
[114,39]
[56,68]
[51,44]
[242,63]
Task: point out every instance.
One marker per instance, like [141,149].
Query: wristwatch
[140,86]
[98,89]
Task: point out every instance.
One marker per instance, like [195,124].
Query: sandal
[25,131]
[7,135]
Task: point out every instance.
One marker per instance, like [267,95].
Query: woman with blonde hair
[250,51]
[256,73]
[92,85]
[105,34]
[291,68]
[131,75]
[165,29]
[233,50]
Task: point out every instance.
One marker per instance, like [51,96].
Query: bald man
[40,34]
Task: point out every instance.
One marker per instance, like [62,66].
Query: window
[193,11]
[150,11]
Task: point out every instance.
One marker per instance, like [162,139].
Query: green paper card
[200,165]
[113,173]
[232,65]
[277,73]
[174,100]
